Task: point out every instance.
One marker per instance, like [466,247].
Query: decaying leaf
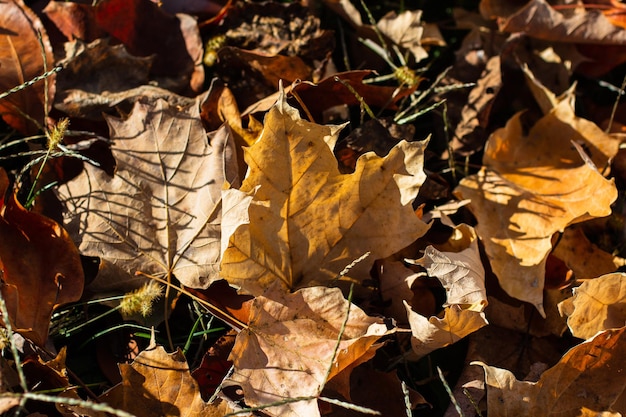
[461,273]
[21,61]
[591,375]
[288,348]
[40,268]
[159,384]
[307,222]
[160,212]
[598,304]
[533,185]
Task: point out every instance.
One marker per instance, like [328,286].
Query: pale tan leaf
[590,376]
[432,333]
[288,347]
[160,212]
[308,221]
[407,30]
[534,185]
[598,304]
[461,273]
[159,384]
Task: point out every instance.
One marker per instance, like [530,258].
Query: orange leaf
[590,376]
[21,59]
[41,268]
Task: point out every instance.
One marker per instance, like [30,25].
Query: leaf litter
[486,233]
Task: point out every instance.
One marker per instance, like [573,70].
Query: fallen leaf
[21,61]
[307,222]
[329,92]
[590,375]
[159,384]
[584,258]
[461,273]
[160,212]
[40,268]
[527,192]
[456,322]
[74,20]
[538,19]
[598,304]
[92,76]
[289,347]
[147,30]
[409,32]
[271,68]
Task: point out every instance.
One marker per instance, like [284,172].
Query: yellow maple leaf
[306,220]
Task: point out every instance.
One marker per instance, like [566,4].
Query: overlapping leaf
[598,304]
[160,212]
[590,378]
[289,348]
[306,220]
[39,265]
[461,273]
[22,59]
[532,186]
[159,384]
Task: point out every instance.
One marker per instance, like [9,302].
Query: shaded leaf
[40,268]
[147,30]
[160,212]
[21,59]
[598,304]
[408,31]
[590,375]
[584,258]
[527,192]
[307,221]
[159,384]
[288,348]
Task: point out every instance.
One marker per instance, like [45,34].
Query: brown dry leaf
[538,19]
[329,93]
[598,304]
[307,222]
[584,258]
[40,268]
[160,212]
[159,384]
[21,60]
[527,192]
[288,348]
[590,375]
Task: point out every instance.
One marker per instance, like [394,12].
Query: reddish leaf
[74,20]
[146,30]
[21,59]
[41,268]
[329,92]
